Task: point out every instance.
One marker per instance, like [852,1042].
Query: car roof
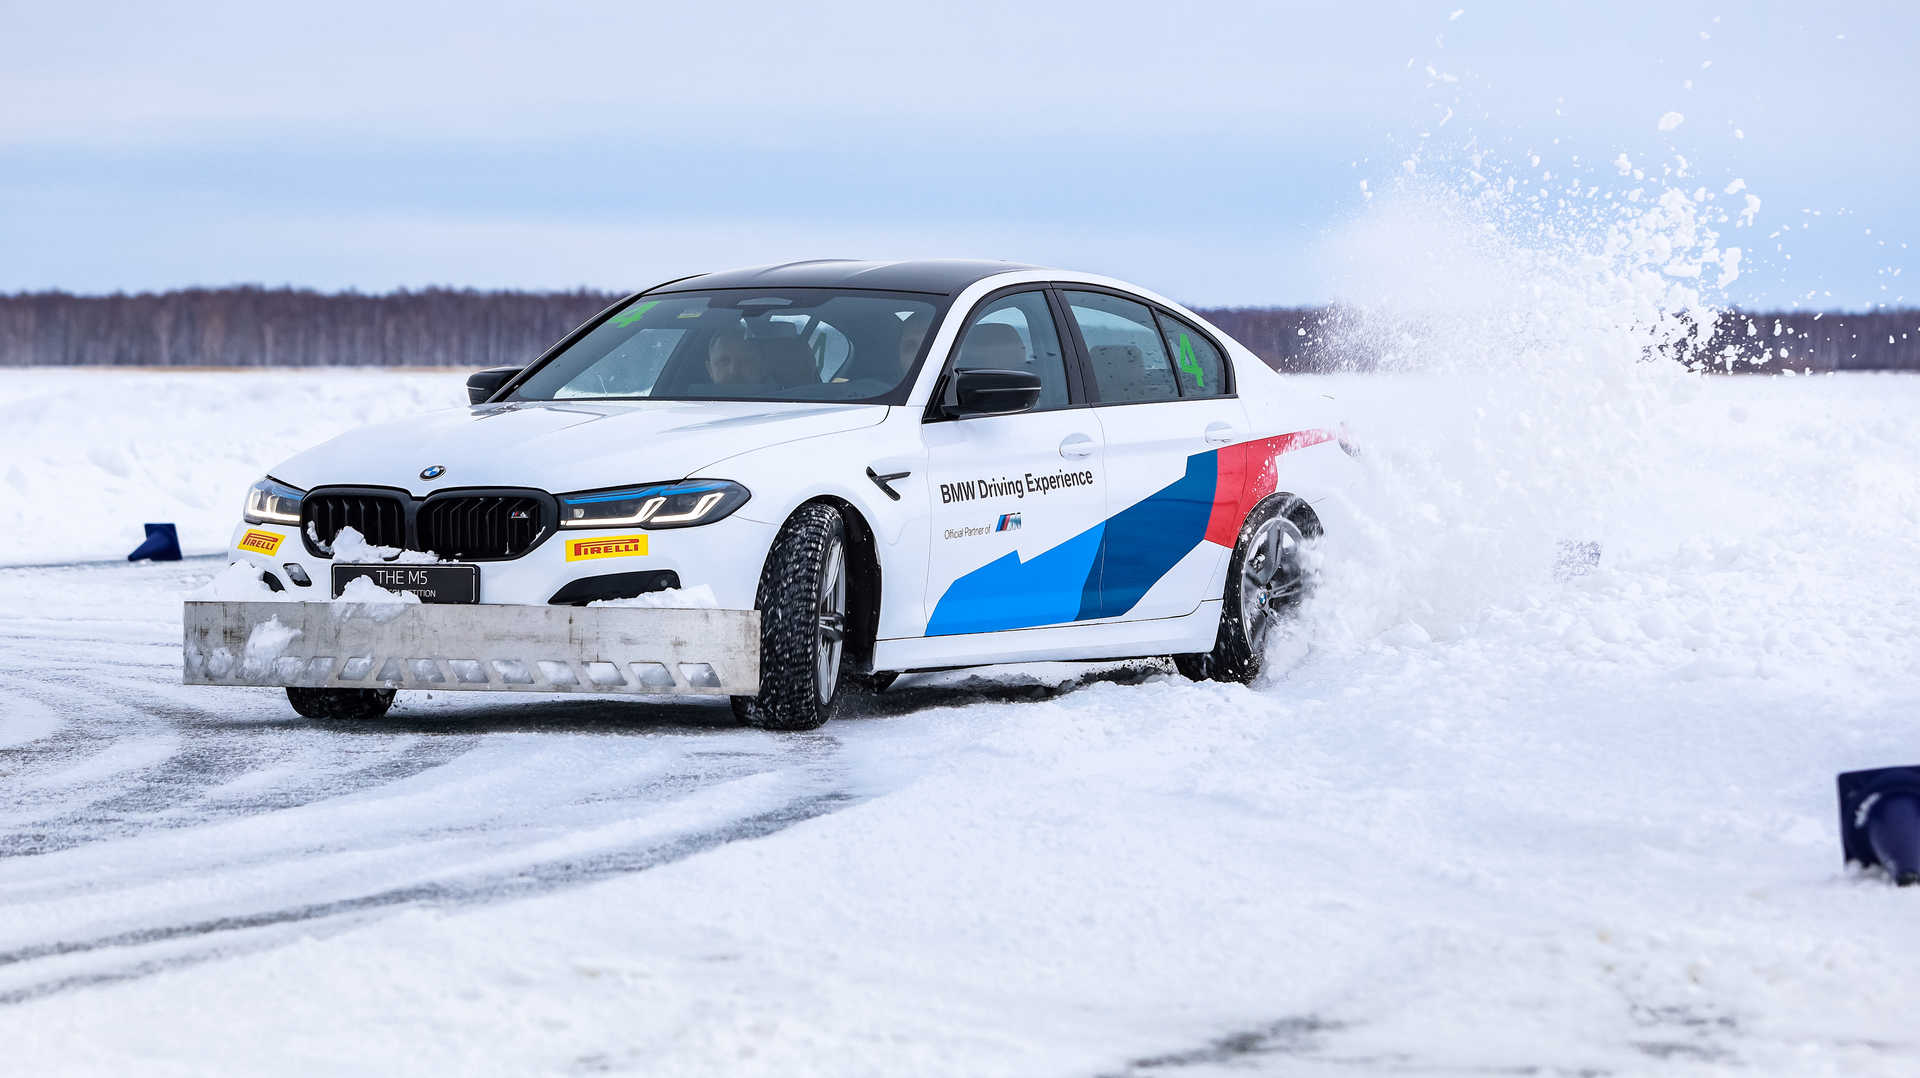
[944,276]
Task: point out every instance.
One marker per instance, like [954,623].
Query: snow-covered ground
[1483,819]
[93,454]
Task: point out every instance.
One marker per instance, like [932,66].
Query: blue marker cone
[1880,820]
[162,544]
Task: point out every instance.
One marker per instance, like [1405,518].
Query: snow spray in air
[1517,346]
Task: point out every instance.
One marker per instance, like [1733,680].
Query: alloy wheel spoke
[1271,578]
[831,621]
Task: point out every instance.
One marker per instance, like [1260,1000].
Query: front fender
[836,466]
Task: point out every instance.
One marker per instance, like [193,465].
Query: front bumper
[726,556]
[340,645]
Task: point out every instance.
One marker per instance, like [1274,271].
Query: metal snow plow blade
[472,646]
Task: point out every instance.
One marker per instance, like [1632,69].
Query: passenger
[733,360]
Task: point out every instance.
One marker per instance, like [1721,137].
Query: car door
[1161,391]
[1016,500]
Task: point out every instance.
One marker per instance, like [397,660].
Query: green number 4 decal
[1191,364]
[627,318]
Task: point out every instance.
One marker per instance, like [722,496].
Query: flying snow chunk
[1735,187]
[1729,266]
[1671,120]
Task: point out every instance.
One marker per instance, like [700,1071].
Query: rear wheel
[1266,581]
[803,624]
[346,704]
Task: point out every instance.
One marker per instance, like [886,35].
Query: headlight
[272,502]
[662,505]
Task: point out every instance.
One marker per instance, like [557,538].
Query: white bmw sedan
[786,483]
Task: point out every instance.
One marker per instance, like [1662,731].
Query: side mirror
[484,384]
[982,391]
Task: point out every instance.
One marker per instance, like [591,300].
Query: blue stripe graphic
[1007,593]
[1100,573]
[1144,541]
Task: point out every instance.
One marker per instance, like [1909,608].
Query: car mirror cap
[482,385]
[985,391]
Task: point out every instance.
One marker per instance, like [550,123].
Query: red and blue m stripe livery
[1103,571]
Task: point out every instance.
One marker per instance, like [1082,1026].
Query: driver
[732,360]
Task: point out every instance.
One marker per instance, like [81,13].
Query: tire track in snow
[519,882]
[147,825]
[120,768]
[26,720]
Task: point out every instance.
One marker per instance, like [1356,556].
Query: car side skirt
[1091,641]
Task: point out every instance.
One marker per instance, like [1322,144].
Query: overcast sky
[1205,152]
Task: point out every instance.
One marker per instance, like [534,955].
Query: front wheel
[1266,581]
[803,624]
[345,704]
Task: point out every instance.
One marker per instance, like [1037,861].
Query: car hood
[560,446]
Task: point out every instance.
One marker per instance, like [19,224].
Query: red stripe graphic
[1247,475]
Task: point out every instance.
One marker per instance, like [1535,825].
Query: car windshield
[795,344]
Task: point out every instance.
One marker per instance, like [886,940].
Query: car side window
[1124,345]
[1016,333]
[1196,361]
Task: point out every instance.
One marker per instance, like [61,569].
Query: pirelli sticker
[606,546]
[259,542]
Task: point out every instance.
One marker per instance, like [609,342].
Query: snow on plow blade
[473,646]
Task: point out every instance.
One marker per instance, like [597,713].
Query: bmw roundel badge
[432,472]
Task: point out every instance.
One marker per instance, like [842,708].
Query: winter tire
[344,704]
[1266,580]
[803,624]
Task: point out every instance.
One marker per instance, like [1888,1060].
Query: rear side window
[1196,361]
[1129,357]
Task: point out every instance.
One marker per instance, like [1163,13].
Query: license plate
[432,583]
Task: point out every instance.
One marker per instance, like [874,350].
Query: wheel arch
[1289,505]
[1300,511]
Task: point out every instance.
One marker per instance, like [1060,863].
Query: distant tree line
[284,327]
[444,327]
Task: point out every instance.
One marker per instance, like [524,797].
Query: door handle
[1218,433]
[1076,446]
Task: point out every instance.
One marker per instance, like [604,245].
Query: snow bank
[94,453]
[237,582]
[699,596]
